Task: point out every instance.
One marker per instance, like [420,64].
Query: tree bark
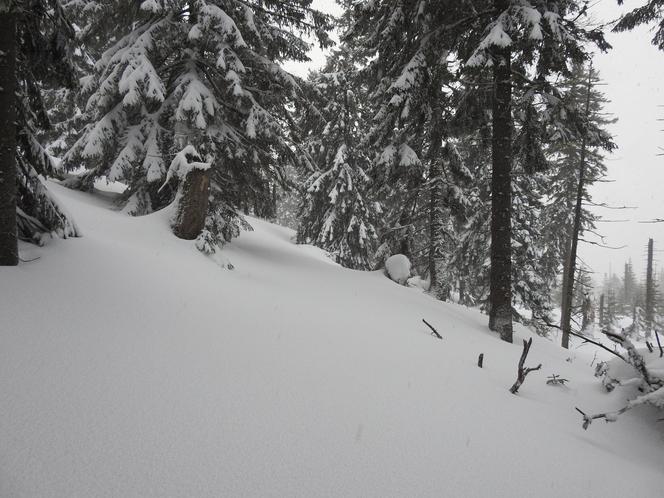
[193,205]
[8,49]
[440,290]
[500,296]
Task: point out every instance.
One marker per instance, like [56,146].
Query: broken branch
[433,330]
[523,372]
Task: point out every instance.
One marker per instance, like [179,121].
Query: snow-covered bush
[398,268]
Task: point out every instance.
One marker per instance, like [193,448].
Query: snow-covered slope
[133,366]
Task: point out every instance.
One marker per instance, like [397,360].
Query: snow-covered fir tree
[524,45]
[417,172]
[201,76]
[336,214]
[35,50]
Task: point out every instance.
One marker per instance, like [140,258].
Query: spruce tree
[579,142]
[336,214]
[196,78]
[652,11]
[416,172]
[524,45]
[36,49]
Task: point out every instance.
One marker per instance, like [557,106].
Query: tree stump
[192,205]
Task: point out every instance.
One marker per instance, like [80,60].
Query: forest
[450,145]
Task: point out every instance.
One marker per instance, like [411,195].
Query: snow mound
[398,268]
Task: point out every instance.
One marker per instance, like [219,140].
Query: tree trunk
[193,205]
[8,235]
[438,289]
[500,297]
[650,292]
[568,290]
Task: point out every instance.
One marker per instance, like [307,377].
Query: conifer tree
[652,11]
[580,141]
[335,213]
[524,44]
[187,83]
[628,295]
[35,50]
[417,173]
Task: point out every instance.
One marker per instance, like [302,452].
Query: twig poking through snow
[480,360]
[661,350]
[555,380]
[522,372]
[433,331]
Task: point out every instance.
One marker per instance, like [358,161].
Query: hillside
[133,366]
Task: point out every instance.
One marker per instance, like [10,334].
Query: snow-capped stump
[193,192]
[398,268]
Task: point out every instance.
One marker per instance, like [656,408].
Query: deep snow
[133,366]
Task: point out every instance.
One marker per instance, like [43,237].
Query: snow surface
[133,366]
[398,268]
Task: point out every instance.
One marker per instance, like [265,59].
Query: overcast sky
[633,72]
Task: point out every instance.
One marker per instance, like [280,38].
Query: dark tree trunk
[500,297]
[601,311]
[193,205]
[650,292]
[8,235]
[438,289]
[568,289]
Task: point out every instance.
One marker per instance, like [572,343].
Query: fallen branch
[522,372]
[634,358]
[598,344]
[433,330]
[609,417]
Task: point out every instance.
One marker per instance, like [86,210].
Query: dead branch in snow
[433,330]
[609,416]
[522,372]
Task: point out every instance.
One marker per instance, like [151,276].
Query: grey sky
[634,75]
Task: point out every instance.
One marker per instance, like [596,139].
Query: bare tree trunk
[193,205]
[500,297]
[8,235]
[568,290]
[650,291]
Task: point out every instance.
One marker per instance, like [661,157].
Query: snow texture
[159,374]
